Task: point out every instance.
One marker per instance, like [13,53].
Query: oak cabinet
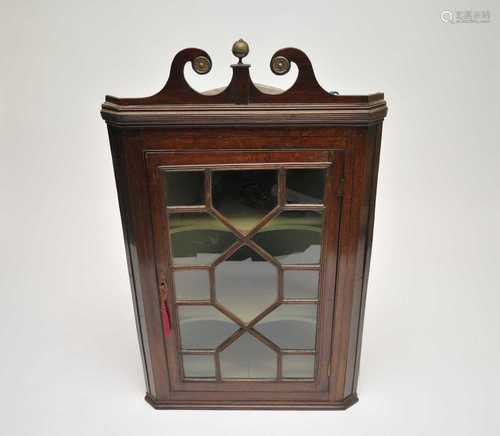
[247,215]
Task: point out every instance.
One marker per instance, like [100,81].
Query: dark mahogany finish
[244,127]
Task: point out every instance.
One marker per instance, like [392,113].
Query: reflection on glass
[184,188]
[198,238]
[245,197]
[199,366]
[305,186]
[248,358]
[300,284]
[291,326]
[203,327]
[296,366]
[192,285]
[293,237]
[246,284]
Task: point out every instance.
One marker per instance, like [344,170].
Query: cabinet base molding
[253,405]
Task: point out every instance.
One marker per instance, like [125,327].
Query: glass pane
[298,366]
[198,238]
[248,358]
[245,197]
[203,327]
[246,284]
[301,284]
[291,326]
[192,285]
[305,186]
[198,366]
[293,237]
[184,188]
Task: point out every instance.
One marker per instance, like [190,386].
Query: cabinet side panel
[141,242]
[375,139]
[119,165]
[353,242]
[367,155]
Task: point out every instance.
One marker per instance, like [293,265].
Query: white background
[70,361]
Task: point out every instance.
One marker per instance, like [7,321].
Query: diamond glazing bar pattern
[240,239]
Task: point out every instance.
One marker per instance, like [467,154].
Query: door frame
[317,390]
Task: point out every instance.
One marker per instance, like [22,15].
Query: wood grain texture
[244,127]
[253,405]
[261,159]
[241,90]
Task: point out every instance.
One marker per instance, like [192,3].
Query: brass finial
[240,49]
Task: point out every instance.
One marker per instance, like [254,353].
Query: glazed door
[246,249]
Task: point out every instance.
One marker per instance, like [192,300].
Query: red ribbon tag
[165,317]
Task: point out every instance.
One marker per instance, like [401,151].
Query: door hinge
[329,370]
[340,190]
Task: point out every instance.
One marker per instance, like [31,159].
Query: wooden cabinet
[248,216]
